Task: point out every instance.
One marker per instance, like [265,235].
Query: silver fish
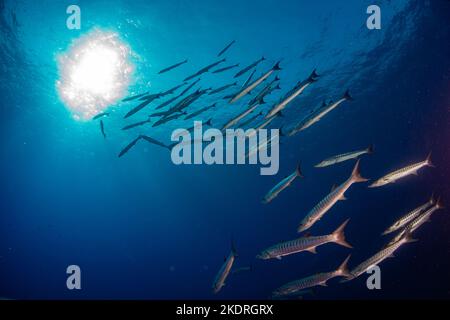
[283,184]
[254,84]
[334,196]
[418,221]
[168,118]
[344,157]
[189,86]
[141,105]
[263,145]
[316,116]
[226,68]
[207,123]
[101,115]
[153,141]
[173,66]
[250,120]
[240,116]
[249,67]
[205,69]
[403,172]
[226,48]
[137,124]
[410,216]
[129,146]
[134,97]
[309,243]
[298,90]
[264,123]
[248,79]
[379,256]
[265,91]
[319,279]
[102,128]
[199,111]
[222,88]
[224,271]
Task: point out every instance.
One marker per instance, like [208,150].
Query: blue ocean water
[141,227]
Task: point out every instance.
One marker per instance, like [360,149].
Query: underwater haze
[141,227]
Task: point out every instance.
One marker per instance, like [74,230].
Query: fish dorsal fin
[307,234]
[312,250]
[334,187]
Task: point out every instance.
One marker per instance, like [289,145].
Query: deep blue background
[142,228]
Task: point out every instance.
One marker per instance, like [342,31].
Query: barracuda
[224,271]
[403,172]
[316,117]
[305,244]
[239,117]
[404,220]
[319,279]
[255,83]
[336,194]
[344,157]
[379,256]
[283,184]
[418,221]
[297,91]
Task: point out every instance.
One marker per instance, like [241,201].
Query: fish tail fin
[279,114]
[340,235]
[298,171]
[281,134]
[432,199]
[347,95]
[428,161]
[313,76]
[277,87]
[343,268]
[277,78]
[408,236]
[209,123]
[439,203]
[276,66]
[263,58]
[356,174]
[233,248]
[370,149]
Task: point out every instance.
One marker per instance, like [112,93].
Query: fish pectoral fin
[312,250]
[343,197]
[278,257]
[323,284]
[391,256]
[415,173]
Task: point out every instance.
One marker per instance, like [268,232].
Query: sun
[94,72]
